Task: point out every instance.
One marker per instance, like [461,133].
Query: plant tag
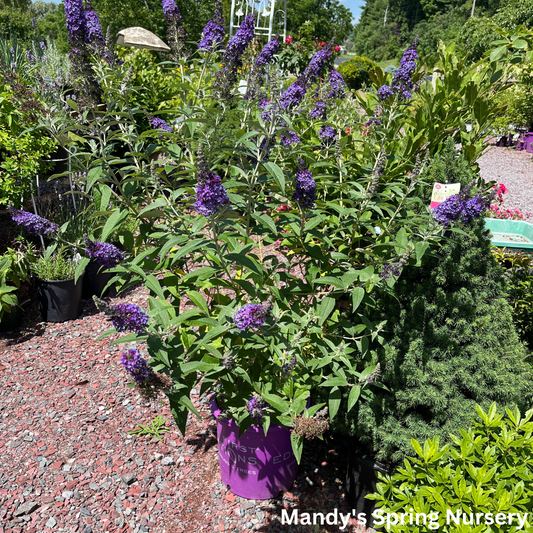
[441,191]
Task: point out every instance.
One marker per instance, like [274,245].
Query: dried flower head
[310,428]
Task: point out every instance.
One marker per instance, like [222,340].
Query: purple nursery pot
[252,465]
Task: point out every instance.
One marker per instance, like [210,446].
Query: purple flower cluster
[373,122]
[304,186]
[238,43]
[460,206]
[252,316]
[290,366]
[103,253]
[214,32]
[94,28]
[128,317]
[316,65]
[402,83]
[210,194]
[293,95]
[75,20]
[392,269]
[159,124]
[267,53]
[290,138]
[34,224]
[136,365]
[255,407]
[328,135]
[319,111]
[30,57]
[337,85]
[385,92]
[171,11]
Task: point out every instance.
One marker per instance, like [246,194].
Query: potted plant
[59,283]
[14,276]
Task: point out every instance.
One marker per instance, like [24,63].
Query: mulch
[68,464]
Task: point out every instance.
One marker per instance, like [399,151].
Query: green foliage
[330,18]
[487,469]
[16,22]
[519,278]
[356,72]
[450,341]
[15,268]
[155,428]
[54,266]
[23,153]
[157,86]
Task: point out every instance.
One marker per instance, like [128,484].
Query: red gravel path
[67,463]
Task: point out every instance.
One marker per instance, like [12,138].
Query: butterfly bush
[34,224]
[94,28]
[136,366]
[76,21]
[461,207]
[402,82]
[159,124]
[250,174]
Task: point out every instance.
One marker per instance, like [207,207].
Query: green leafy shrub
[450,344]
[23,153]
[54,266]
[356,72]
[519,276]
[488,470]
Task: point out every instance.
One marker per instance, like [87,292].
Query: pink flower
[322,44]
[337,48]
[288,39]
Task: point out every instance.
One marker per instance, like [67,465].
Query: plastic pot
[361,480]
[254,466]
[59,301]
[95,280]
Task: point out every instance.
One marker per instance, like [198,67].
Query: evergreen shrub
[450,342]
[356,72]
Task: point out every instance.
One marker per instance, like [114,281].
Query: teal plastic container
[511,234]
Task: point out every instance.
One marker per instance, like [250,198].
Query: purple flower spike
[103,253]
[290,138]
[328,135]
[171,11]
[392,269]
[135,365]
[210,194]
[385,92]
[213,34]
[319,111]
[34,224]
[293,95]
[316,65]
[128,317]
[304,186]
[75,20]
[252,316]
[267,53]
[337,85]
[238,43]
[94,29]
[255,406]
[159,124]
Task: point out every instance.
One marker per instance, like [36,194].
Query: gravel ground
[514,169]
[67,463]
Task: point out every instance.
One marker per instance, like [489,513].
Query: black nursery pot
[95,280]
[12,320]
[59,301]
[361,479]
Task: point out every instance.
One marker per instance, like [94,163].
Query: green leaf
[277,174]
[498,53]
[324,309]
[113,222]
[357,297]
[80,268]
[353,397]
[198,300]
[334,402]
